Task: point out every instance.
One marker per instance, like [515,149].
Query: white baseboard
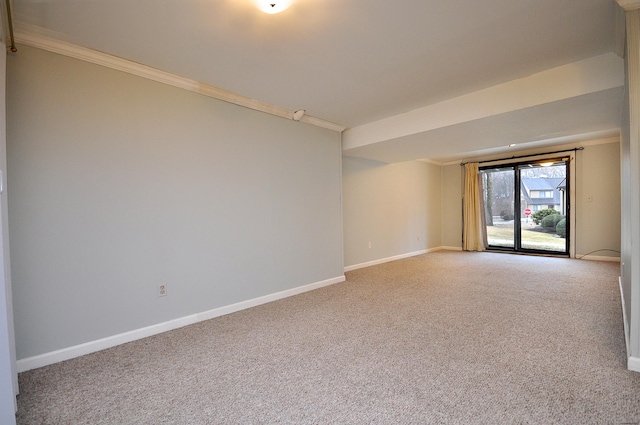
[624,318]
[451,248]
[598,258]
[393,258]
[384,260]
[634,364]
[104,343]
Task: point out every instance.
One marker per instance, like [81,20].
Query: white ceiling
[353,62]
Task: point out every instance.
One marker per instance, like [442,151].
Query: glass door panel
[498,185]
[543,189]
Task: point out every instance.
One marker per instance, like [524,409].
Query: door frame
[569,159]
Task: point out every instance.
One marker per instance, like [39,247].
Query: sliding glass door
[499,203]
[526,206]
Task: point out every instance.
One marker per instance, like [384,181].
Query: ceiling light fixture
[547,164]
[272,6]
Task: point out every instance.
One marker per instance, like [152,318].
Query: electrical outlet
[369,245]
[162,290]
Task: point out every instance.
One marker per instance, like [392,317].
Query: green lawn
[532,238]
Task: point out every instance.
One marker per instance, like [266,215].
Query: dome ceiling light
[273,6]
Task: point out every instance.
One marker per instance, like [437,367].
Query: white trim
[451,248]
[629,4]
[33,39]
[112,341]
[431,161]
[625,324]
[597,142]
[389,259]
[634,364]
[598,258]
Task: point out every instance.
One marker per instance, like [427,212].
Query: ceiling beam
[592,75]
[620,32]
[629,4]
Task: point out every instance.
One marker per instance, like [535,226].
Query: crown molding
[629,4]
[103,59]
[432,161]
[4,23]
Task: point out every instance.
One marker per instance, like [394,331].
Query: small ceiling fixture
[273,6]
[297,115]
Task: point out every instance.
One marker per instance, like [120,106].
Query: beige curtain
[475,230]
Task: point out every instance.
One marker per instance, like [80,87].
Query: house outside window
[540,193]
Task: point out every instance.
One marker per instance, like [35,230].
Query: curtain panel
[474,223]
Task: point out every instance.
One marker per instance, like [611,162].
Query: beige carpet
[443,338]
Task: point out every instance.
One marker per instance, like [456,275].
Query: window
[542,193]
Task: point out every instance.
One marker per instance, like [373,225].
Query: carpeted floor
[442,338]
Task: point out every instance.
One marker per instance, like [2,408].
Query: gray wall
[626,216]
[8,374]
[630,176]
[452,206]
[118,184]
[396,207]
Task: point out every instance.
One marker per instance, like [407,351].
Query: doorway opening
[527,206]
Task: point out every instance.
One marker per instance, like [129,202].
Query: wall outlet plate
[162,290]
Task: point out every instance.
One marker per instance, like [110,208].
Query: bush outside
[539,215]
[506,215]
[561,228]
[550,222]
